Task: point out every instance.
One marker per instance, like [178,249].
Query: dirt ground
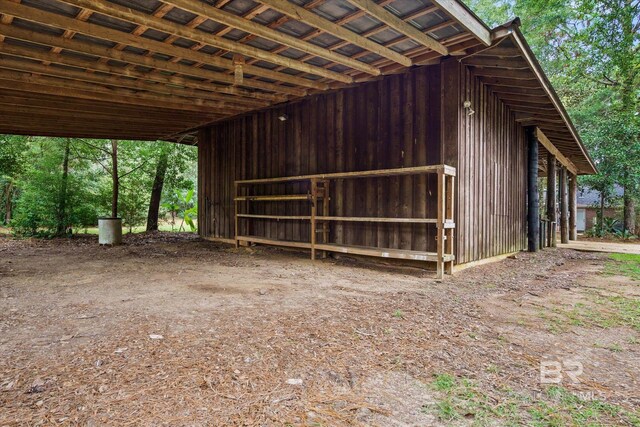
[169,329]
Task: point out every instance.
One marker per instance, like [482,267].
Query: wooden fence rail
[319,198]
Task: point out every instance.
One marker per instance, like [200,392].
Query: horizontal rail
[382,252]
[448,224]
[447,170]
[278,217]
[273,242]
[287,197]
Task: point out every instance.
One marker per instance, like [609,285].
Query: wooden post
[440,224]
[573,207]
[564,206]
[552,206]
[533,208]
[325,212]
[235,204]
[449,215]
[314,212]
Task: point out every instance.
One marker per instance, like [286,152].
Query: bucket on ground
[110,231]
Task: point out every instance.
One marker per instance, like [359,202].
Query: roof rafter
[296,12]
[150,21]
[145,61]
[383,15]
[60,21]
[226,18]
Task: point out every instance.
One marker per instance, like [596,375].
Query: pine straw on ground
[232,366]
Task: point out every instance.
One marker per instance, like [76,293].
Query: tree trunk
[629,213]
[8,202]
[62,200]
[115,178]
[156,192]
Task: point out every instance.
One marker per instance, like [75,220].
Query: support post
[440,236]
[573,207]
[552,206]
[449,216]
[314,212]
[533,208]
[564,206]
[235,217]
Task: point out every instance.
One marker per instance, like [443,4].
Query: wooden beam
[227,18]
[186,95]
[87,118]
[502,72]
[54,86]
[505,90]
[140,18]
[496,62]
[221,93]
[393,21]
[146,61]
[528,99]
[87,28]
[89,113]
[460,13]
[553,150]
[303,15]
[511,82]
[74,132]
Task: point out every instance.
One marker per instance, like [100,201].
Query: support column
[573,207]
[564,206]
[552,206]
[533,205]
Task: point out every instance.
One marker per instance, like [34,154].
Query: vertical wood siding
[390,123]
[491,215]
[397,121]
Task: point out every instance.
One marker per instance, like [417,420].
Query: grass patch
[462,399]
[560,407]
[462,402]
[625,264]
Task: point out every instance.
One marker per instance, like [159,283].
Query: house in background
[589,205]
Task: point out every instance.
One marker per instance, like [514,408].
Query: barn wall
[491,163]
[411,119]
[390,123]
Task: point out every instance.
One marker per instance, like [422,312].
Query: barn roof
[150,69]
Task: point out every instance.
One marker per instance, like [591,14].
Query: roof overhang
[513,73]
[150,69]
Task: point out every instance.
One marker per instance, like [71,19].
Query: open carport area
[174,330]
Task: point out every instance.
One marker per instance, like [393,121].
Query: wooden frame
[319,194]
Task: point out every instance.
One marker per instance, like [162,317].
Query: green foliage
[591,52]
[34,166]
[182,205]
[37,210]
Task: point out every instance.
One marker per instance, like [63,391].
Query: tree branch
[133,170]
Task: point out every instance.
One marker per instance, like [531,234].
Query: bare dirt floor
[169,329]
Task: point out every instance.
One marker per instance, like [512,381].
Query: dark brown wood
[399,121]
[552,197]
[564,206]
[533,216]
[573,207]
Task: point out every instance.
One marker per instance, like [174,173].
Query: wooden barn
[399,128]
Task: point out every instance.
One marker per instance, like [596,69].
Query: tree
[55,190]
[156,190]
[13,160]
[591,52]
[177,175]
